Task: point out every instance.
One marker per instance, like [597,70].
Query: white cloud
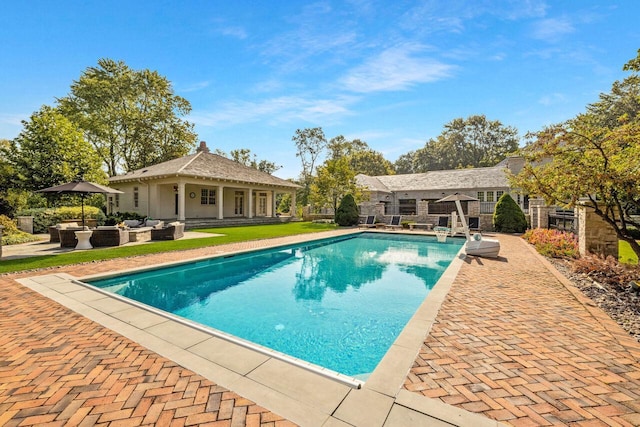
[552,29]
[553,99]
[397,68]
[276,110]
[235,32]
[194,87]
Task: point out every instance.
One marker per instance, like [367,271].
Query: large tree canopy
[132,118]
[51,150]
[593,159]
[464,143]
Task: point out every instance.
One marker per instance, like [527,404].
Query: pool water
[337,303]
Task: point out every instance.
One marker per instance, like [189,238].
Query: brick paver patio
[512,341]
[516,341]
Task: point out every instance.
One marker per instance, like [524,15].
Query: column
[181,201]
[220,202]
[250,191]
[595,235]
[292,208]
[273,204]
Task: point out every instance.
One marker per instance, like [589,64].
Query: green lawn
[625,254]
[229,235]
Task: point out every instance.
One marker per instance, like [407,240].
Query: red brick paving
[512,341]
[518,343]
[58,368]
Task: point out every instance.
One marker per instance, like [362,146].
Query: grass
[229,235]
[625,254]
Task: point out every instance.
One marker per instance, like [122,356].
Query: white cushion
[174,224]
[155,223]
[107,227]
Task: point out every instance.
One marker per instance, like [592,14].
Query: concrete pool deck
[499,350]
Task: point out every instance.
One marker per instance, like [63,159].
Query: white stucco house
[200,186]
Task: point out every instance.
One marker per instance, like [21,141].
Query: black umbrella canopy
[457,197]
[81,188]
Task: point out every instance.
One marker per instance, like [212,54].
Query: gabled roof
[204,165]
[455,179]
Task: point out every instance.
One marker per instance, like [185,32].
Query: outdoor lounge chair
[173,231]
[395,222]
[369,222]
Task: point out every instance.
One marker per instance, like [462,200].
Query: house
[414,195]
[200,187]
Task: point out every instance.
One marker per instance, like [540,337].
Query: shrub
[508,217]
[347,213]
[553,243]
[607,270]
[11,235]
[43,218]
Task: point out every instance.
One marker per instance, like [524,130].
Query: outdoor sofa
[173,231]
[109,236]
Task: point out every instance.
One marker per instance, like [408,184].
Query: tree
[310,144]
[370,162]
[508,217]
[245,157]
[335,179]
[51,150]
[132,118]
[593,159]
[347,213]
[464,143]
[404,163]
[362,159]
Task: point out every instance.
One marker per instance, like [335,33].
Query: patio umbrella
[81,188]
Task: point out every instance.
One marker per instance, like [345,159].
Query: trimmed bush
[508,217]
[347,213]
[43,218]
[11,235]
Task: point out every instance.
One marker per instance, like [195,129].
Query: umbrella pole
[82,205]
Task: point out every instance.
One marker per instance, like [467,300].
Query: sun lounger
[395,222]
[369,222]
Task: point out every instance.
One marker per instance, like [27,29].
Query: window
[481,196]
[489,196]
[117,200]
[407,206]
[207,197]
[136,197]
[499,194]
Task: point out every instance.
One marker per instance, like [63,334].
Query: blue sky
[391,73]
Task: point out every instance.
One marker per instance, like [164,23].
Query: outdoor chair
[109,236]
[68,237]
[54,230]
[369,222]
[173,231]
[395,222]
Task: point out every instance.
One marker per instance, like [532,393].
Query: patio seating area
[512,341]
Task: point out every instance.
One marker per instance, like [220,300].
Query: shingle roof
[456,179]
[205,165]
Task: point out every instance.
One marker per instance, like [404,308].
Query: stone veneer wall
[594,234]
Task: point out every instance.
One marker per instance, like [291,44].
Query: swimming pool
[337,303]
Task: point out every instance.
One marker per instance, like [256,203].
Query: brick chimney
[203,147]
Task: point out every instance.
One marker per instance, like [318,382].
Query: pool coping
[294,392]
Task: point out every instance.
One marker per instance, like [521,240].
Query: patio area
[512,343]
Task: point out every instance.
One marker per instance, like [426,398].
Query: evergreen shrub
[508,217]
[347,213]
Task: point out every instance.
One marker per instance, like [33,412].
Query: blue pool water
[338,303]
